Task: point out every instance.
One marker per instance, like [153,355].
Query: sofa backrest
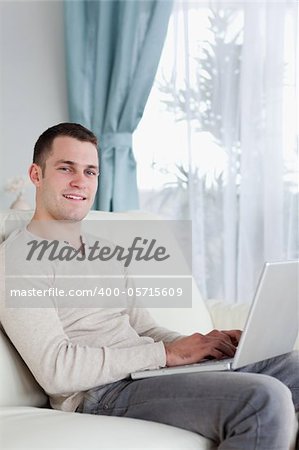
[18,386]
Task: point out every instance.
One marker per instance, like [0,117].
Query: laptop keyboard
[215,362]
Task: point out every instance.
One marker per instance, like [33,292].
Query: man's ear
[35,174]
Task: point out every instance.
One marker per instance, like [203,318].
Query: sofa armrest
[226,316]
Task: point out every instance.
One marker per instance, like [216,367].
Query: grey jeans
[252,408]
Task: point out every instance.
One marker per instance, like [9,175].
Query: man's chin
[74,215]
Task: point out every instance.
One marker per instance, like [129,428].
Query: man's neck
[61,230]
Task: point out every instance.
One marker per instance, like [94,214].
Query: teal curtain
[112,52]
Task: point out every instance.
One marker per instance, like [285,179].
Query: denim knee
[272,400]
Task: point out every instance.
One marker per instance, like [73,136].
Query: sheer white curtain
[269,40]
[226,155]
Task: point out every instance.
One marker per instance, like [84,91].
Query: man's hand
[194,348]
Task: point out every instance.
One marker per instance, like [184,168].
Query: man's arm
[62,365]
[65,353]
[185,349]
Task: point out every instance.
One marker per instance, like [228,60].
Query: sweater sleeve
[62,367]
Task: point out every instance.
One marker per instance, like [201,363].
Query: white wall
[32,83]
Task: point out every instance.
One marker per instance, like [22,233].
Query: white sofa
[27,421]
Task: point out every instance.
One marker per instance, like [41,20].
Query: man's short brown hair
[43,145]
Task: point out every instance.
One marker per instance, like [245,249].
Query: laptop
[271,328]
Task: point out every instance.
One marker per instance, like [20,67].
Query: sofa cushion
[18,387]
[36,428]
[11,220]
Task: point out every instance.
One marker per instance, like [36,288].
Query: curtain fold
[112,51]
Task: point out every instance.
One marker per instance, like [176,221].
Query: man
[82,357]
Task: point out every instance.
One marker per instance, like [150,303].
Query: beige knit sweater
[71,350]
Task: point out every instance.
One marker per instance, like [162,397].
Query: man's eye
[90,172]
[64,169]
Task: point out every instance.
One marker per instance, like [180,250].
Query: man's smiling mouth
[76,197]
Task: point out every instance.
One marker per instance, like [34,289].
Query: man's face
[67,188]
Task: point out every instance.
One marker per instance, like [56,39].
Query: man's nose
[78,180]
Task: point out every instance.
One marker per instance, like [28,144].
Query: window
[218,140]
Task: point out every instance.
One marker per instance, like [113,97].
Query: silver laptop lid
[272,325]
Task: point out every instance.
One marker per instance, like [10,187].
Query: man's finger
[235,335]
